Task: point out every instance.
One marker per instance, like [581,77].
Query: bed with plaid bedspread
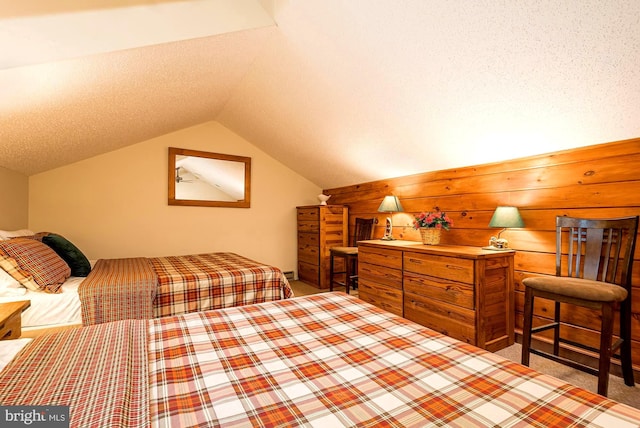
[144,288]
[319,361]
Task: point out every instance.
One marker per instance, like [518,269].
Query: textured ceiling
[343,91]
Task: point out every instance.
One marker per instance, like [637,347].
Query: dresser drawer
[379,274]
[309,226]
[311,214]
[309,272]
[440,289]
[388,258]
[445,318]
[451,268]
[308,248]
[387,298]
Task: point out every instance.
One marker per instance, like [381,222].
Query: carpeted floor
[617,389]
[303,289]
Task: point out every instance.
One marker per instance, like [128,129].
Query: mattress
[183,284]
[143,288]
[51,309]
[326,360]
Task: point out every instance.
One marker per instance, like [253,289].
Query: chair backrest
[596,249]
[363,230]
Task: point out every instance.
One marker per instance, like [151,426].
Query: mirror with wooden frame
[207,179]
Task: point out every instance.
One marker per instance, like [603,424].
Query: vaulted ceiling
[341,91]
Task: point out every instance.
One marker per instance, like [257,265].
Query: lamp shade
[390,204]
[506,217]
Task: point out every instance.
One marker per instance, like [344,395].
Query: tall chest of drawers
[320,227]
[463,292]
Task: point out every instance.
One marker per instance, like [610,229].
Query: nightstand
[11,319]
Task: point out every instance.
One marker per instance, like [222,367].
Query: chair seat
[347,251]
[585,289]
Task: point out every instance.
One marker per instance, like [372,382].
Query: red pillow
[46,267]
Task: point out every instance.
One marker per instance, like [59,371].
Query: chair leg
[331,272]
[625,347]
[527,325]
[348,261]
[556,329]
[354,277]
[606,336]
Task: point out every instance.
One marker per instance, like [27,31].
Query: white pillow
[10,286]
[7,234]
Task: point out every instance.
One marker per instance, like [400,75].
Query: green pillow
[77,261]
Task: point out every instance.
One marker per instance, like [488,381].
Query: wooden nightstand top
[10,314]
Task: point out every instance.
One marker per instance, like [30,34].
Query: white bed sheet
[10,349]
[51,309]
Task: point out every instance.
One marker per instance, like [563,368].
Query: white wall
[115,205]
[14,200]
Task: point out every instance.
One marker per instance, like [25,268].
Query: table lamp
[504,217]
[390,204]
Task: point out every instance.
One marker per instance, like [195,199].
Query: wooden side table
[11,319]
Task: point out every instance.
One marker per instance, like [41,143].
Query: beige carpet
[303,289]
[617,389]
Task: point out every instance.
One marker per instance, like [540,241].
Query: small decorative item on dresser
[431,225]
[323,198]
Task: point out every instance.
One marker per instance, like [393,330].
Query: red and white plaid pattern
[332,360]
[99,371]
[10,265]
[319,361]
[212,281]
[138,288]
[118,289]
[39,261]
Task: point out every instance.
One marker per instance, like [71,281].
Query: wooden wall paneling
[599,181]
[620,149]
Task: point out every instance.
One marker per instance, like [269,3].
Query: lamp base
[489,247]
[388,230]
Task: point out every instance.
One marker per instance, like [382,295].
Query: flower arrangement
[437,219]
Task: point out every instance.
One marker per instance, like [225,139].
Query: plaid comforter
[144,288]
[213,281]
[320,361]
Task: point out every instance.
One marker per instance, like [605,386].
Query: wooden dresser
[320,227]
[464,292]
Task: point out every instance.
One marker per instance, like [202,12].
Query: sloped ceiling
[341,91]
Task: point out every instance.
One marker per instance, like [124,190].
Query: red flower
[435,219]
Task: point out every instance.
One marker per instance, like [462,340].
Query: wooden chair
[363,231]
[599,256]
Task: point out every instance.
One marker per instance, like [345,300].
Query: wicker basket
[430,235]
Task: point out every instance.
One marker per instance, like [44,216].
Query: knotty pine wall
[596,181]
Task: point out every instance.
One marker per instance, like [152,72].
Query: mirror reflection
[199,178]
